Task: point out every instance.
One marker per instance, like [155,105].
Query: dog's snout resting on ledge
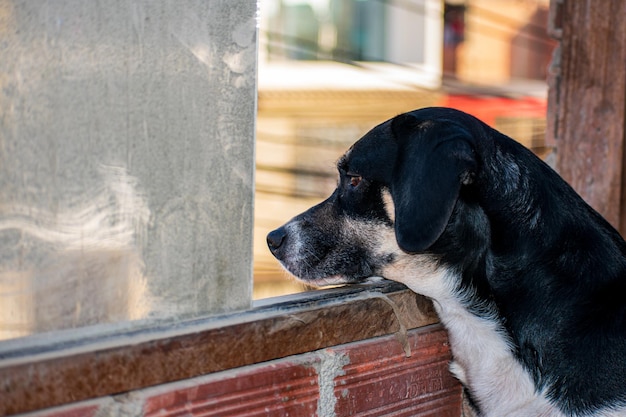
[528,279]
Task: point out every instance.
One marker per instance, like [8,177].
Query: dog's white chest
[483,359]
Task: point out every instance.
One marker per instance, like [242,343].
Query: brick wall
[373,377]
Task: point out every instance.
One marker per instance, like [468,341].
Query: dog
[527,278]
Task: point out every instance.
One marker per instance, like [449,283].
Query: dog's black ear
[434,159]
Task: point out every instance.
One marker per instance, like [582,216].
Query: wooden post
[587,95]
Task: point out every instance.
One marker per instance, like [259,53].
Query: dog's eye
[355,180]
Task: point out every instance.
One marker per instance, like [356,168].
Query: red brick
[381,381]
[82,409]
[283,388]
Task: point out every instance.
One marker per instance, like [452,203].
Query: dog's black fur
[526,251]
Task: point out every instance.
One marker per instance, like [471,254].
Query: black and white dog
[528,279]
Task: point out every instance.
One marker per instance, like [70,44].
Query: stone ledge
[276,329]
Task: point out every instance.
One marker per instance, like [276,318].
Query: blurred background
[330,70]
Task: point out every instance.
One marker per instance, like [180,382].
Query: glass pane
[126,160]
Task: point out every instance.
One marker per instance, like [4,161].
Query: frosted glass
[126,160]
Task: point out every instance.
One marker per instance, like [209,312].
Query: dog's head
[397,191]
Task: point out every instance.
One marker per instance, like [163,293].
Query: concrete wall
[126,160]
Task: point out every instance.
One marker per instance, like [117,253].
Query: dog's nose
[276,238]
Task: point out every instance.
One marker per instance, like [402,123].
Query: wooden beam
[586,103]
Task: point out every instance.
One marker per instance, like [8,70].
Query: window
[407,32]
